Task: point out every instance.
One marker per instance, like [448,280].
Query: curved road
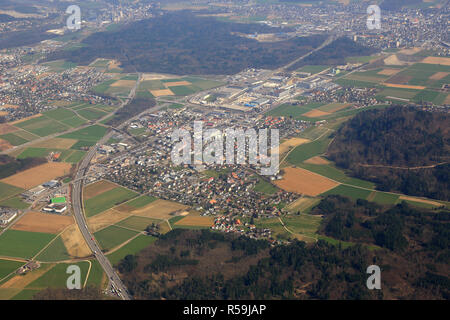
[77,203]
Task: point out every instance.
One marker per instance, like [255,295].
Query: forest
[202,264]
[183,43]
[400,149]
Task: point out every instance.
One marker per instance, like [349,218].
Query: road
[77,202]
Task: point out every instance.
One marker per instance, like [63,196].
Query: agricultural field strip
[291,232]
[48,244]
[340,183]
[318,138]
[120,246]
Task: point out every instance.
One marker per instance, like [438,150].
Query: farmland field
[15,203]
[159,209]
[331,172]
[303,204]
[35,176]
[43,222]
[60,114]
[308,150]
[56,277]
[106,218]
[91,113]
[349,191]
[92,133]
[304,182]
[133,247]
[113,236]
[194,220]
[8,266]
[265,187]
[96,188]
[137,223]
[7,190]
[23,244]
[141,201]
[56,251]
[42,126]
[107,200]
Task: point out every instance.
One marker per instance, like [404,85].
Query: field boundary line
[88,273]
[123,244]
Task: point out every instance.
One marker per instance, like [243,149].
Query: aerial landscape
[224,150]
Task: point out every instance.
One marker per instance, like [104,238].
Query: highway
[77,203]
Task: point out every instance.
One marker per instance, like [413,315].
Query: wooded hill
[183,43]
[400,149]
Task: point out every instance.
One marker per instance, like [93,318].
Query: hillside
[189,264]
[400,149]
[182,43]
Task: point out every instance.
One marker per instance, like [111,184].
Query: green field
[57,276]
[137,223]
[59,65]
[308,150]
[91,113]
[15,203]
[56,251]
[75,157]
[303,224]
[133,247]
[42,126]
[83,144]
[7,190]
[23,244]
[330,171]
[107,200]
[385,198]
[349,191]
[8,266]
[113,236]
[141,201]
[60,114]
[91,133]
[265,187]
[74,122]
[13,139]
[287,110]
[103,87]
[26,294]
[44,152]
